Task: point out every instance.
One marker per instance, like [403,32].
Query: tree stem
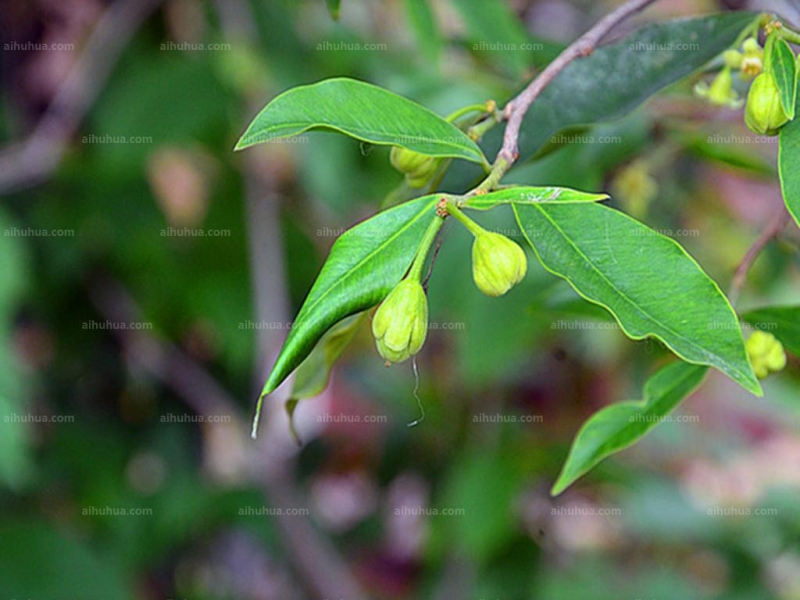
[517,108]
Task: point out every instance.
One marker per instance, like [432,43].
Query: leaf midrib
[362,135]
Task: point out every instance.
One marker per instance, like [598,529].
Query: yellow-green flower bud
[423,173]
[400,324]
[635,188]
[766,354]
[418,168]
[751,47]
[764,112]
[732,58]
[497,263]
[721,92]
[752,63]
[405,160]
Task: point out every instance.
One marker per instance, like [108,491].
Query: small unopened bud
[635,187]
[732,58]
[498,263]
[721,92]
[418,168]
[751,47]
[752,63]
[764,112]
[766,354]
[400,324]
[405,160]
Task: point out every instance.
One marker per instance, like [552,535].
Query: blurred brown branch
[777,224]
[32,160]
[515,110]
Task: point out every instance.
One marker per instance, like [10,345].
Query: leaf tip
[257,416]
[241,144]
[558,488]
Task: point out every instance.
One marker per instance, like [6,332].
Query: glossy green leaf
[365,263]
[781,321]
[618,77]
[789,167]
[647,280]
[312,376]
[426,32]
[783,64]
[530,195]
[334,7]
[619,426]
[363,111]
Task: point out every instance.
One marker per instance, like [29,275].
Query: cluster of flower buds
[749,63]
[400,324]
[766,354]
[418,168]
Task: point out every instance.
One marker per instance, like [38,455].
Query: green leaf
[333,8]
[789,167]
[783,65]
[426,32]
[363,111]
[618,77]
[781,321]
[619,426]
[530,195]
[645,279]
[311,377]
[365,263]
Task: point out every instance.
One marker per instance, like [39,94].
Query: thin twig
[34,159]
[772,230]
[515,111]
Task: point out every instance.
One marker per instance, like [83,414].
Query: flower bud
[732,58]
[401,322]
[751,47]
[721,92]
[766,354]
[497,263]
[423,173]
[764,112]
[635,188]
[418,168]
[752,63]
[405,160]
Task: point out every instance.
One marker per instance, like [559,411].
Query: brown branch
[772,230]
[516,109]
[31,161]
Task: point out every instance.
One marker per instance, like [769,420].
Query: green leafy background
[506,383]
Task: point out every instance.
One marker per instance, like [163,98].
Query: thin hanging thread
[421,418]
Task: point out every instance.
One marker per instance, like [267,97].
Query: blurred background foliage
[100,423]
